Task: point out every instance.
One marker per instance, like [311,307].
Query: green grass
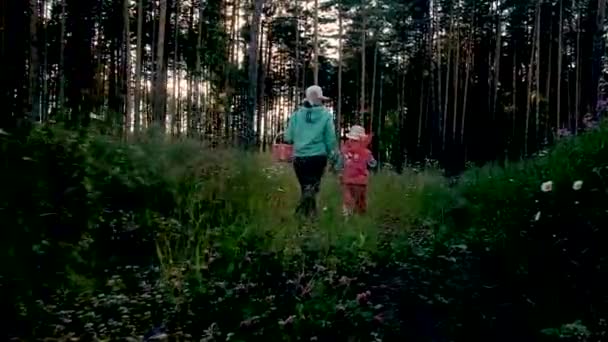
[220,225]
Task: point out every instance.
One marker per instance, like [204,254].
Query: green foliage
[87,214]
[575,331]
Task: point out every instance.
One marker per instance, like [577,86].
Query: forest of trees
[469,80]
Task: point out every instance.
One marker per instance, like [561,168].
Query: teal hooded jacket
[311,130]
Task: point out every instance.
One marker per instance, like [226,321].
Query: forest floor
[149,240]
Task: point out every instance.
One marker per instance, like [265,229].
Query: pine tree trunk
[497,55]
[529,95]
[537,53]
[577,97]
[560,55]
[176,78]
[189,105]
[363,44]
[127,24]
[421,113]
[297,63]
[260,90]
[253,72]
[316,43]
[381,118]
[514,104]
[456,83]
[339,105]
[160,97]
[45,69]
[62,56]
[547,130]
[373,95]
[234,39]
[469,61]
[267,92]
[138,67]
[199,71]
[447,86]
[34,66]
[439,67]
[599,48]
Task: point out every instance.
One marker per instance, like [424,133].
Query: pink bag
[281,152]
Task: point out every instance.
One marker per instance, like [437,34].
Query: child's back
[357,158]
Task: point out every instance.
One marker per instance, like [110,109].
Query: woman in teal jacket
[311,130]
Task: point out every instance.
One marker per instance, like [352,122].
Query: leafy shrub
[497,256]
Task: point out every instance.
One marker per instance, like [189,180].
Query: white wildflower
[537,216]
[577,185]
[3,132]
[547,186]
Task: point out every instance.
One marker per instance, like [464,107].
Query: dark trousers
[309,171]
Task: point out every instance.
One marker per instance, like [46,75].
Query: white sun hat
[356,132]
[314,94]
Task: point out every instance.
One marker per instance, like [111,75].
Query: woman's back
[311,130]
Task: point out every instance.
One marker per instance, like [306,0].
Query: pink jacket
[356,159]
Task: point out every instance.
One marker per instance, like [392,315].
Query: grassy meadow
[149,239]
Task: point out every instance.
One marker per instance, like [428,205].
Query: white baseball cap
[315,93]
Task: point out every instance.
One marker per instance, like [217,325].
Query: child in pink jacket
[355,161]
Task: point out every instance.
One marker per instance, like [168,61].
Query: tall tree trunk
[305,62]
[127,18]
[456,82]
[178,112]
[577,97]
[229,92]
[371,110]
[529,95]
[176,78]
[537,53]
[44,109]
[421,113]
[339,105]
[316,43]
[268,93]
[469,61]
[199,70]
[160,97]
[363,44]
[297,64]
[113,91]
[514,104]
[62,56]
[234,37]
[381,117]
[599,47]
[260,91]
[547,124]
[253,71]
[34,67]
[447,86]
[138,67]
[560,55]
[189,105]
[497,55]
[439,66]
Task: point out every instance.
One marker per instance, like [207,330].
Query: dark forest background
[455,81]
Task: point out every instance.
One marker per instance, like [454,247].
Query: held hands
[337,164]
